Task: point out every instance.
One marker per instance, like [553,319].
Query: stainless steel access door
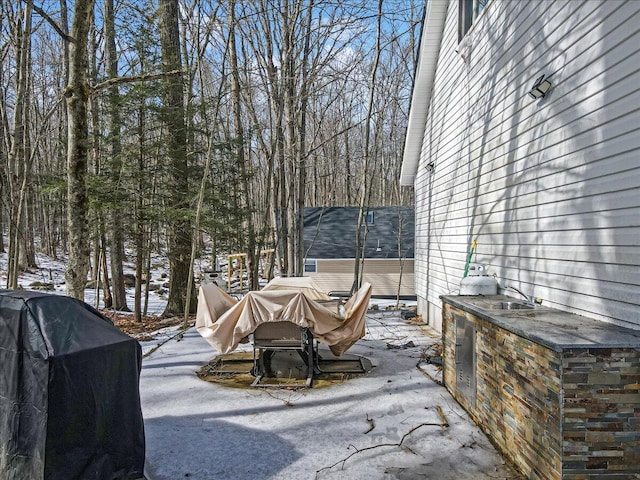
[466,358]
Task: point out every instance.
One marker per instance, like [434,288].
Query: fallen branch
[287,402]
[444,424]
[178,335]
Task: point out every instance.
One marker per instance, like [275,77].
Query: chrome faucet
[531,300]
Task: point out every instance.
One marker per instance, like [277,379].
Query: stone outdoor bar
[558,393]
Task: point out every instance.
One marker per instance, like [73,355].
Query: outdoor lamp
[540,88]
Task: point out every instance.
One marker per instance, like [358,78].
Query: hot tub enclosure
[69,392]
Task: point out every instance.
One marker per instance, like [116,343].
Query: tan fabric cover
[224,322]
[305,285]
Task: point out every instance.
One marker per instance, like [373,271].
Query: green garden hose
[473,249]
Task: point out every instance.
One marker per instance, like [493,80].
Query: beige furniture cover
[224,322]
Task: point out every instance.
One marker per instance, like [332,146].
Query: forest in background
[161,125]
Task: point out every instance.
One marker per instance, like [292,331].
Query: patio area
[396,422]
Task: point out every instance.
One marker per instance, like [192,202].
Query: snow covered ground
[205,431]
[51,271]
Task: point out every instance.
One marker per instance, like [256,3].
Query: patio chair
[271,337]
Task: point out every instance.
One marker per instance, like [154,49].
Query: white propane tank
[477,283]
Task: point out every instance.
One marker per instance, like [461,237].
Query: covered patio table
[225,322]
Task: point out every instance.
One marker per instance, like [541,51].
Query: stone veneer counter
[558,393]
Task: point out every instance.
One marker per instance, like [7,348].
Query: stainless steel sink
[503,304]
[500,304]
[516,306]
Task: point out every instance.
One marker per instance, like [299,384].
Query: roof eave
[435,15]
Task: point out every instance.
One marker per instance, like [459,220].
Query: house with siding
[387,235]
[549,187]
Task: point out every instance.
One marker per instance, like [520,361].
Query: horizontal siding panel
[572,156]
[626,257]
[335,266]
[382,284]
[629,64]
[370,266]
[441,286]
[534,259]
[573,82]
[508,222]
[517,77]
[625,200]
[624,236]
[505,75]
[578,295]
[585,128]
[540,153]
[616,83]
[596,193]
[549,188]
[620,277]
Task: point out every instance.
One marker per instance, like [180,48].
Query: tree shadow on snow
[200,448]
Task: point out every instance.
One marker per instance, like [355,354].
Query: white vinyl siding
[371,265]
[383,274]
[549,188]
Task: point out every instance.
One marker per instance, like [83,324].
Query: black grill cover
[69,392]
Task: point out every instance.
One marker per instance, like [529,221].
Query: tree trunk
[137,298]
[364,197]
[140,219]
[242,157]
[2,250]
[106,287]
[77,94]
[19,160]
[174,118]
[116,247]
[27,249]
[301,150]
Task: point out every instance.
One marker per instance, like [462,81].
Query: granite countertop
[547,326]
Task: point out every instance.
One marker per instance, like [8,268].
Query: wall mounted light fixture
[378,248]
[540,88]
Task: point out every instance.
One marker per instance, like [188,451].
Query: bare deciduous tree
[114,122]
[304,107]
[77,95]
